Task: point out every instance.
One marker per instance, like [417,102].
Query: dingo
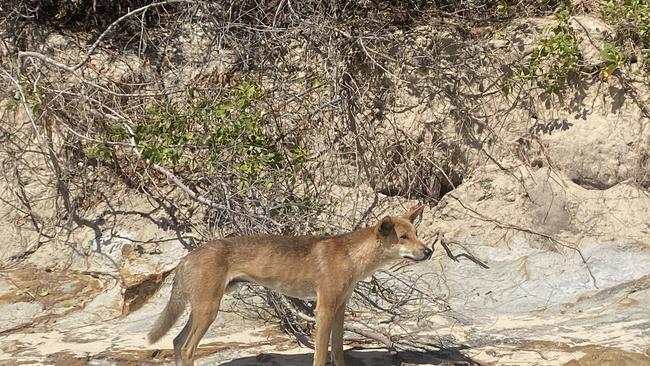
[324,268]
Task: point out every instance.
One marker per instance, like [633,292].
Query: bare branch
[112,26]
[28,54]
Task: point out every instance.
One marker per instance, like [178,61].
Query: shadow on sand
[366,357]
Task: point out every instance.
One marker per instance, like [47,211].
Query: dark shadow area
[355,357]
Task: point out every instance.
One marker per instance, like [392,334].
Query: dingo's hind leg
[180,340]
[205,301]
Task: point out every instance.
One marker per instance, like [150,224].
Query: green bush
[553,60]
[631,21]
[202,134]
[613,58]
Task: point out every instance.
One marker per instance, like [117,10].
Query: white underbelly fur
[304,293]
[297,290]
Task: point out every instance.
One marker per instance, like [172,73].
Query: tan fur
[308,267]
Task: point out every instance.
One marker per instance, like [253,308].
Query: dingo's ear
[386,226]
[412,213]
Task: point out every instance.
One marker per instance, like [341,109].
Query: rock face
[593,33]
[554,286]
[597,151]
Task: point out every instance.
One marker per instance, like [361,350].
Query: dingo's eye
[404,236]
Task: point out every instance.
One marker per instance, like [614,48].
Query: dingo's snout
[420,255]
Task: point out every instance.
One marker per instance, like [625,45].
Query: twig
[444,242]
[366,51]
[179,183]
[27,292]
[119,20]
[28,54]
[23,101]
[351,327]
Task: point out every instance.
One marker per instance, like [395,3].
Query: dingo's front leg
[324,317]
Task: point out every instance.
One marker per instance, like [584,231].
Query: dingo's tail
[173,310]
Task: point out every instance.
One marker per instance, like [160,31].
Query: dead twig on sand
[445,245]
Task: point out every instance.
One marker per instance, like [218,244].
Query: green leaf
[43,292]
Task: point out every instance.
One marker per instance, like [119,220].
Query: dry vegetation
[239,117]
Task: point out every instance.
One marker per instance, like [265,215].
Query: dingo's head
[399,237]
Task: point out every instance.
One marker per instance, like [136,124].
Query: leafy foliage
[204,134]
[613,58]
[631,20]
[554,59]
